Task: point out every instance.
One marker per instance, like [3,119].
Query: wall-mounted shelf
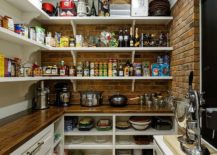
[21,79]
[111,49]
[108,20]
[13,37]
[26,6]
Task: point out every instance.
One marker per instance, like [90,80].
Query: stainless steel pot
[118,100]
[91,98]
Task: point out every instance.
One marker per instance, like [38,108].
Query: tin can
[138,69]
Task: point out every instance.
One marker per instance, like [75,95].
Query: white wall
[15,96]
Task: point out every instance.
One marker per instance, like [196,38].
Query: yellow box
[2,65]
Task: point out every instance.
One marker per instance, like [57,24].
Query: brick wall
[184,35]
[110,87]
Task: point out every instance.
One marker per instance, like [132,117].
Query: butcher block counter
[17,130]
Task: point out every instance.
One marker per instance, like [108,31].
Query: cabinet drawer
[39,144]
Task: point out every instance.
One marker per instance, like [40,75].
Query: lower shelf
[134,146]
[89,146]
[149,131]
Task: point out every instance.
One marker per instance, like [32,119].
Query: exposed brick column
[184,37]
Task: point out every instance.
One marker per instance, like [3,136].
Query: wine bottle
[126,38]
[131,38]
[93,10]
[137,40]
[120,38]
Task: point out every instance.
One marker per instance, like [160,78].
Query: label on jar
[62,72]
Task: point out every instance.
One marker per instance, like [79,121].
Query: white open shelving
[89,145]
[149,131]
[22,79]
[92,132]
[13,37]
[133,146]
[112,49]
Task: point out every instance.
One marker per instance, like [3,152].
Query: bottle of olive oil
[137,39]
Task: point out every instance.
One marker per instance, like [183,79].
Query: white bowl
[140,127]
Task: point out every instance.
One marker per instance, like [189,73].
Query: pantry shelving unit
[113,142]
[28,10]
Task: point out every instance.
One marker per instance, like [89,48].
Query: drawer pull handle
[39,145]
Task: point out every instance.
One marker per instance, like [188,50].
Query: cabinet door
[38,145]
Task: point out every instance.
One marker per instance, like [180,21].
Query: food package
[2,65]
[79,40]
[8,23]
[40,34]
[64,41]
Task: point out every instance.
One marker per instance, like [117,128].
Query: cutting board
[172,142]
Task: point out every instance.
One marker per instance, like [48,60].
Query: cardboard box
[2,65]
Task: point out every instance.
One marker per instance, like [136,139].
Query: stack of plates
[159,8]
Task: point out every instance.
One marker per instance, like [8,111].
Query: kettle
[83,9]
[41,99]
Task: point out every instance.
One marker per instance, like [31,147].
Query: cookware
[123,125]
[140,122]
[118,100]
[48,8]
[40,101]
[62,94]
[162,123]
[67,8]
[91,98]
[86,124]
[83,9]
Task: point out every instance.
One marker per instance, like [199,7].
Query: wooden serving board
[174,145]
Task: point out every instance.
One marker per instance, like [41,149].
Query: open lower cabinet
[121,138]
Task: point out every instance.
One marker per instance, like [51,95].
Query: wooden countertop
[109,109]
[16,131]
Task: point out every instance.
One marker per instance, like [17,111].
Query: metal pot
[91,98]
[118,100]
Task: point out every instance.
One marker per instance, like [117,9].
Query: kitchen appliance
[83,8]
[41,99]
[91,98]
[48,8]
[118,100]
[191,142]
[63,95]
[67,8]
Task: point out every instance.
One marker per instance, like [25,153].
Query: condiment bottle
[127,69]
[62,69]
[110,68]
[72,71]
[120,70]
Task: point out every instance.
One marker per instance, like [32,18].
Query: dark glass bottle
[126,38]
[131,38]
[93,10]
[137,40]
[120,38]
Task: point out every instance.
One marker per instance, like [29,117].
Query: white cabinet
[40,144]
